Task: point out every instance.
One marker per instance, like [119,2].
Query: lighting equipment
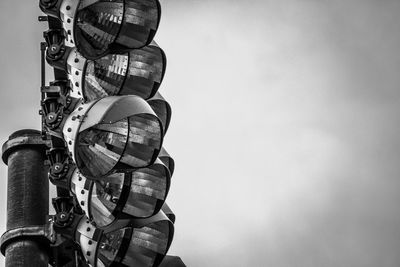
[98,27]
[113,133]
[140,193]
[127,243]
[137,72]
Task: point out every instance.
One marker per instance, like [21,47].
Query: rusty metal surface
[43,234]
[27,195]
[26,253]
[23,138]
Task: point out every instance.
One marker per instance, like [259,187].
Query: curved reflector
[138,72]
[113,133]
[167,160]
[139,194]
[102,26]
[168,212]
[162,109]
[141,243]
[148,190]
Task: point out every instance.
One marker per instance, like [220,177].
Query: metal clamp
[23,138]
[44,233]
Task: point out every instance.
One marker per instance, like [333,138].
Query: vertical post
[27,196]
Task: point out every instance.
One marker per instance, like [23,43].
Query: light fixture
[137,72]
[113,133]
[136,242]
[100,27]
[140,193]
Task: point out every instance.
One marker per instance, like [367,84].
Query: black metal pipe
[27,196]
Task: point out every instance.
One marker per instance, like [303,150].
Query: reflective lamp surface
[143,193]
[113,133]
[162,109]
[104,198]
[105,25]
[134,142]
[139,72]
[167,160]
[142,247]
[148,191]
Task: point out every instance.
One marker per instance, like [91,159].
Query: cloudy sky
[285,128]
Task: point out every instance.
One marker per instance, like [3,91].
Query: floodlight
[137,72]
[113,133]
[139,193]
[127,243]
[98,27]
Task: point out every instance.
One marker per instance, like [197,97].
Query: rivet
[83,203]
[68,7]
[76,60]
[69,20]
[83,192]
[69,130]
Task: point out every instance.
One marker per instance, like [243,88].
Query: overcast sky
[285,127]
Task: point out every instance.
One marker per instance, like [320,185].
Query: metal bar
[27,196]
[55,23]
[42,67]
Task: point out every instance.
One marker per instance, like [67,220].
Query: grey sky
[284,131]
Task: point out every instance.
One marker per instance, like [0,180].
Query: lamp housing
[98,27]
[139,194]
[136,72]
[126,243]
[113,133]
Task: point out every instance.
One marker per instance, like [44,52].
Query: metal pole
[27,197]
